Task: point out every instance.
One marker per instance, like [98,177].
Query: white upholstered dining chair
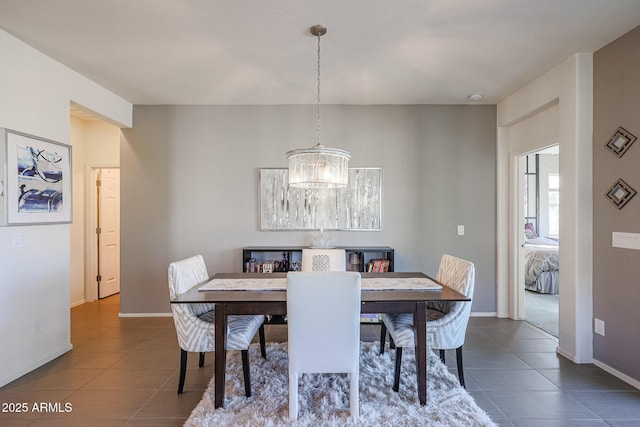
[324,329]
[446,321]
[195,323]
[324,259]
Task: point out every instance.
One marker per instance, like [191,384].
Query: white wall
[35,279]
[77,263]
[570,87]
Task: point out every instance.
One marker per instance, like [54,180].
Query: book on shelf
[378,266]
[370,318]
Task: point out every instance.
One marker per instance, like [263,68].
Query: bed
[541,264]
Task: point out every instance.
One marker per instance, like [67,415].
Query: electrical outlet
[36,326]
[461,230]
[20,240]
[598,326]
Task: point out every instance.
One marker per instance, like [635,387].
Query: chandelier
[318,166]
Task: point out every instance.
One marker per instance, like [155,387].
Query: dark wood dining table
[274,302]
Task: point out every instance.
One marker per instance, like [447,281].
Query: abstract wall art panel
[36,180]
[357,207]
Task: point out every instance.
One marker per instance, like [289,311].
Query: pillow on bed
[530,231]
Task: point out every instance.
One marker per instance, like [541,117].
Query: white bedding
[541,265]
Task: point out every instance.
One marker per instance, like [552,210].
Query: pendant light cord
[318,110]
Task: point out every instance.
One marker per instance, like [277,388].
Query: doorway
[541,210]
[107,231]
[96,145]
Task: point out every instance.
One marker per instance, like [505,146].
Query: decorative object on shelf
[284,264]
[318,166]
[37,180]
[250,265]
[357,207]
[620,141]
[620,193]
[268,266]
[321,241]
[354,260]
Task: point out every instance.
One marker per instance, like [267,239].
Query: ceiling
[246,52]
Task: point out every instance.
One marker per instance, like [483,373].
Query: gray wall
[616,272]
[190,185]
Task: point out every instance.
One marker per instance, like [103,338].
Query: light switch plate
[598,326]
[625,240]
[461,230]
[20,240]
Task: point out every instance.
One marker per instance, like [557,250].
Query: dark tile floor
[515,375]
[124,371]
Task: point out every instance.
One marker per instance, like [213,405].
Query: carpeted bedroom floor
[541,310]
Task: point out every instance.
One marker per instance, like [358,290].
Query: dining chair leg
[263,349]
[246,372]
[183,370]
[293,395]
[396,375]
[201,360]
[442,356]
[354,395]
[392,343]
[383,337]
[459,361]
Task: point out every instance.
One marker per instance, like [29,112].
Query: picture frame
[36,180]
[620,141]
[620,193]
[355,208]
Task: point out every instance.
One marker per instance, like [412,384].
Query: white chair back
[183,275]
[457,273]
[323,309]
[324,260]
[446,321]
[449,331]
[195,325]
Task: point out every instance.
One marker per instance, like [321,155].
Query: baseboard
[483,314]
[77,303]
[571,356]
[145,314]
[35,365]
[626,378]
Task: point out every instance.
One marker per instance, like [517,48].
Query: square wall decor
[620,193]
[620,142]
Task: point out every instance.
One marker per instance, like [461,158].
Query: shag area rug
[324,398]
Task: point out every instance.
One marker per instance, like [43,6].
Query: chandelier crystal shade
[318,166]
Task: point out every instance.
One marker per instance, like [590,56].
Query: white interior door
[108,232]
